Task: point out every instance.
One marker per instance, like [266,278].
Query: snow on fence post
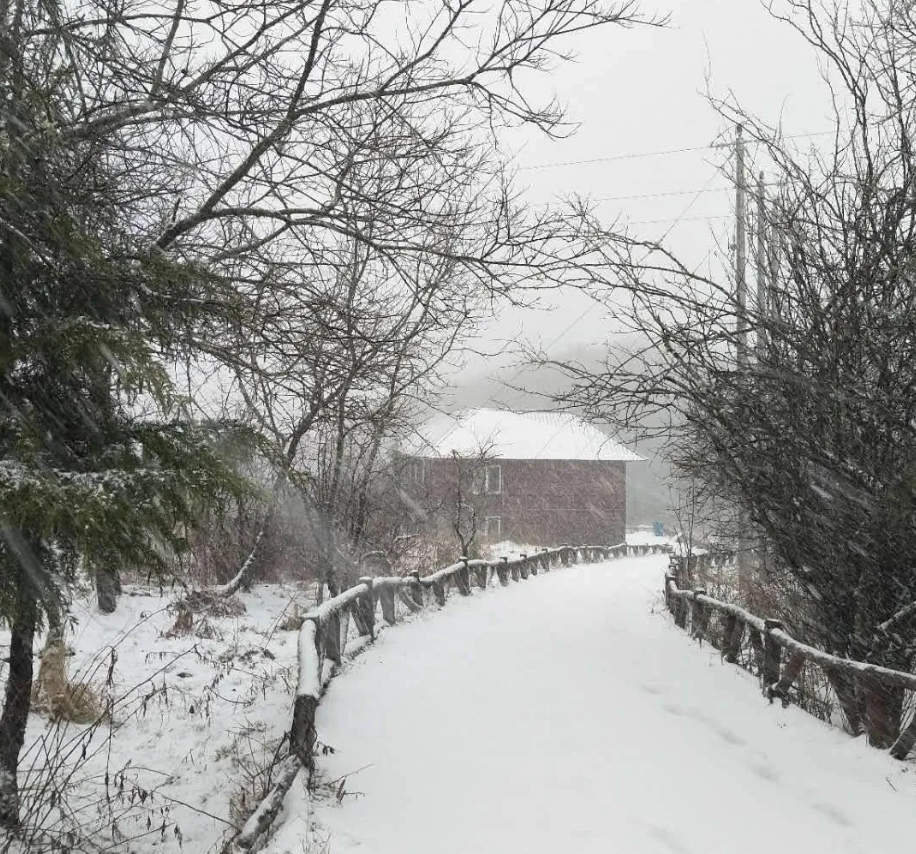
[330,633]
[502,570]
[734,631]
[302,734]
[386,598]
[523,566]
[463,577]
[771,654]
[700,615]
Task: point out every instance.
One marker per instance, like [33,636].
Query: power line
[664,195]
[613,157]
[680,219]
[661,153]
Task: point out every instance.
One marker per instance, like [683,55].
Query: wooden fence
[780,659]
[323,642]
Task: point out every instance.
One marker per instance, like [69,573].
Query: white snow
[566,713]
[309,684]
[193,716]
[518,436]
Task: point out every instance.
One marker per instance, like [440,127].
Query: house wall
[542,502]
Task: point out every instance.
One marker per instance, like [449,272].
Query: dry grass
[54,693]
[203,604]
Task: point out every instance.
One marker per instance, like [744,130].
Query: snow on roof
[517,436]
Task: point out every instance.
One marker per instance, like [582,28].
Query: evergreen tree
[100,463]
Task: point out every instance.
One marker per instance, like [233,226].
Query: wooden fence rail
[780,658]
[323,638]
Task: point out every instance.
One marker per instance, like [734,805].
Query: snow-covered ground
[196,716]
[567,714]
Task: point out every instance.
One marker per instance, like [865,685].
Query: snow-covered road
[567,714]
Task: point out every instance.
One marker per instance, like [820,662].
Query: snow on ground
[566,713]
[196,716]
[645,537]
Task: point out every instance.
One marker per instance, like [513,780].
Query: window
[494,484]
[494,528]
[415,471]
[488,479]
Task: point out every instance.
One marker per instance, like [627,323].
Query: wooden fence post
[330,633]
[883,710]
[523,566]
[416,588]
[366,604]
[407,598]
[700,616]
[904,744]
[680,613]
[757,647]
[564,555]
[439,591]
[790,673]
[734,631]
[771,653]
[302,734]
[545,560]
[463,578]
[502,570]
[669,599]
[481,574]
[386,597]
[513,569]
[844,687]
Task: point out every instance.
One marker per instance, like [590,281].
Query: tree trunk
[15,716]
[107,588]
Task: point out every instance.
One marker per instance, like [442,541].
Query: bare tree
[812,437]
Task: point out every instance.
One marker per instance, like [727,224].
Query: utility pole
[741,248]
[763,310]
[741,328]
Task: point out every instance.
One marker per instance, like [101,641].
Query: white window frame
[494,472]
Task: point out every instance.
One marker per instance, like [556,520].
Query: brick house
[530,477]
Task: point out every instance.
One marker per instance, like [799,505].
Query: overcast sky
[637,91]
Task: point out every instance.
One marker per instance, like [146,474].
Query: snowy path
[566,714]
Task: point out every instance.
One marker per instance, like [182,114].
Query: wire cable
[662,153]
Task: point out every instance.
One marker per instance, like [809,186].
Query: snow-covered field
[196,716]
[566,714]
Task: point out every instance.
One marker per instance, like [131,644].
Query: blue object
[658,528]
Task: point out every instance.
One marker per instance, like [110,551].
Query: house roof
[517,436]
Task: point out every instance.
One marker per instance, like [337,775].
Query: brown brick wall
[542,502]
